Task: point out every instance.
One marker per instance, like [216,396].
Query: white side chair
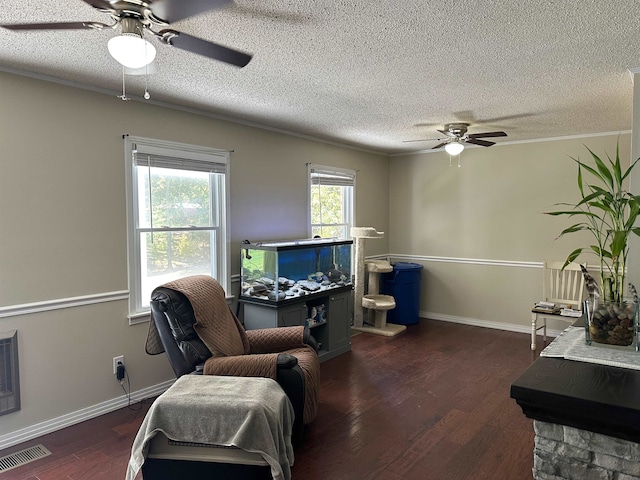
[562,287]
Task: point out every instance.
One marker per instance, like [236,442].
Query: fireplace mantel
[587,396]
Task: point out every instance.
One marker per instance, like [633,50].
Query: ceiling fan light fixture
[131,50]
[454,147]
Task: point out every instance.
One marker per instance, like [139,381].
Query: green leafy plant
[609,212]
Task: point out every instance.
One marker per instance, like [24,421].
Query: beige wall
[63,227]
[479,230]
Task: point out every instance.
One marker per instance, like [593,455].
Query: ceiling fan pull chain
[146,77]
[124,94]
[451,158]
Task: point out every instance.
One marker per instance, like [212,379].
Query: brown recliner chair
[193,324]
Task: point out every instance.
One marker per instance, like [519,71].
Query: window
[176,202]
[331,201]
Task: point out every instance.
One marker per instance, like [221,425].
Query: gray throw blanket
[253,414]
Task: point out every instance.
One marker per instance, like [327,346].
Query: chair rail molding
[69,302]
[58,303]
[461,260]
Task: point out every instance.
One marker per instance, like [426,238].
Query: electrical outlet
[115,363]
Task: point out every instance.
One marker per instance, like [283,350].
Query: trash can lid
[406,266]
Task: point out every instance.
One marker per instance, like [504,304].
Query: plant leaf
[626,174]
[572,256]
[605,173]
[618,243]
[574,228]
[573,213]
[634,209]
[601,252]
[617,170]
[580,180]
[591,196]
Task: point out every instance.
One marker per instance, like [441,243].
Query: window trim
[197,154]
[341,172]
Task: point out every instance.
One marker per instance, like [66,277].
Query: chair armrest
[286,360]
[272,340]
[261,365]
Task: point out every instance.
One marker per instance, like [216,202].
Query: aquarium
[278,271]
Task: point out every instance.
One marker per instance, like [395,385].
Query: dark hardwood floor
[431,403]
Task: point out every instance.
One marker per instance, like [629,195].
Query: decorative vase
[611,323]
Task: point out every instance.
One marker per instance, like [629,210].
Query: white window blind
[332,177]
[210,165]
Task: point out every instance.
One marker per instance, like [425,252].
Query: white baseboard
[54,424]
[509,327]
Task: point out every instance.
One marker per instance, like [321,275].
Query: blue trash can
[403,284]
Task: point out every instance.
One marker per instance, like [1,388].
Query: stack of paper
[570,312]
[545,307]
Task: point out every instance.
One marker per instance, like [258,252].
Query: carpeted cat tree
[377,304]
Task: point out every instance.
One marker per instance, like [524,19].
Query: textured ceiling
[371,74]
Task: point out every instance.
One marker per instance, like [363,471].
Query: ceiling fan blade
[205,48]
[103,5]
[174,10]
[487,134]
[477,141]
[440,145]
[423,140]
[56,26]
[447,133]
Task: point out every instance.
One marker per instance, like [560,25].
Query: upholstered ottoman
[230,427]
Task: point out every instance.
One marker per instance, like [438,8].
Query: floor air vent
[23,457]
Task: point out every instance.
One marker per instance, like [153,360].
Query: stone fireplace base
[569,453]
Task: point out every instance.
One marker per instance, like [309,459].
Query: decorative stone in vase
[611,323]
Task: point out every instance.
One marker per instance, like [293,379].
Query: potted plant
[609,213]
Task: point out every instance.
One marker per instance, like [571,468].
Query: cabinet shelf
[335,334]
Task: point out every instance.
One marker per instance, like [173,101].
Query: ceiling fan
[136,17]
[457,136]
